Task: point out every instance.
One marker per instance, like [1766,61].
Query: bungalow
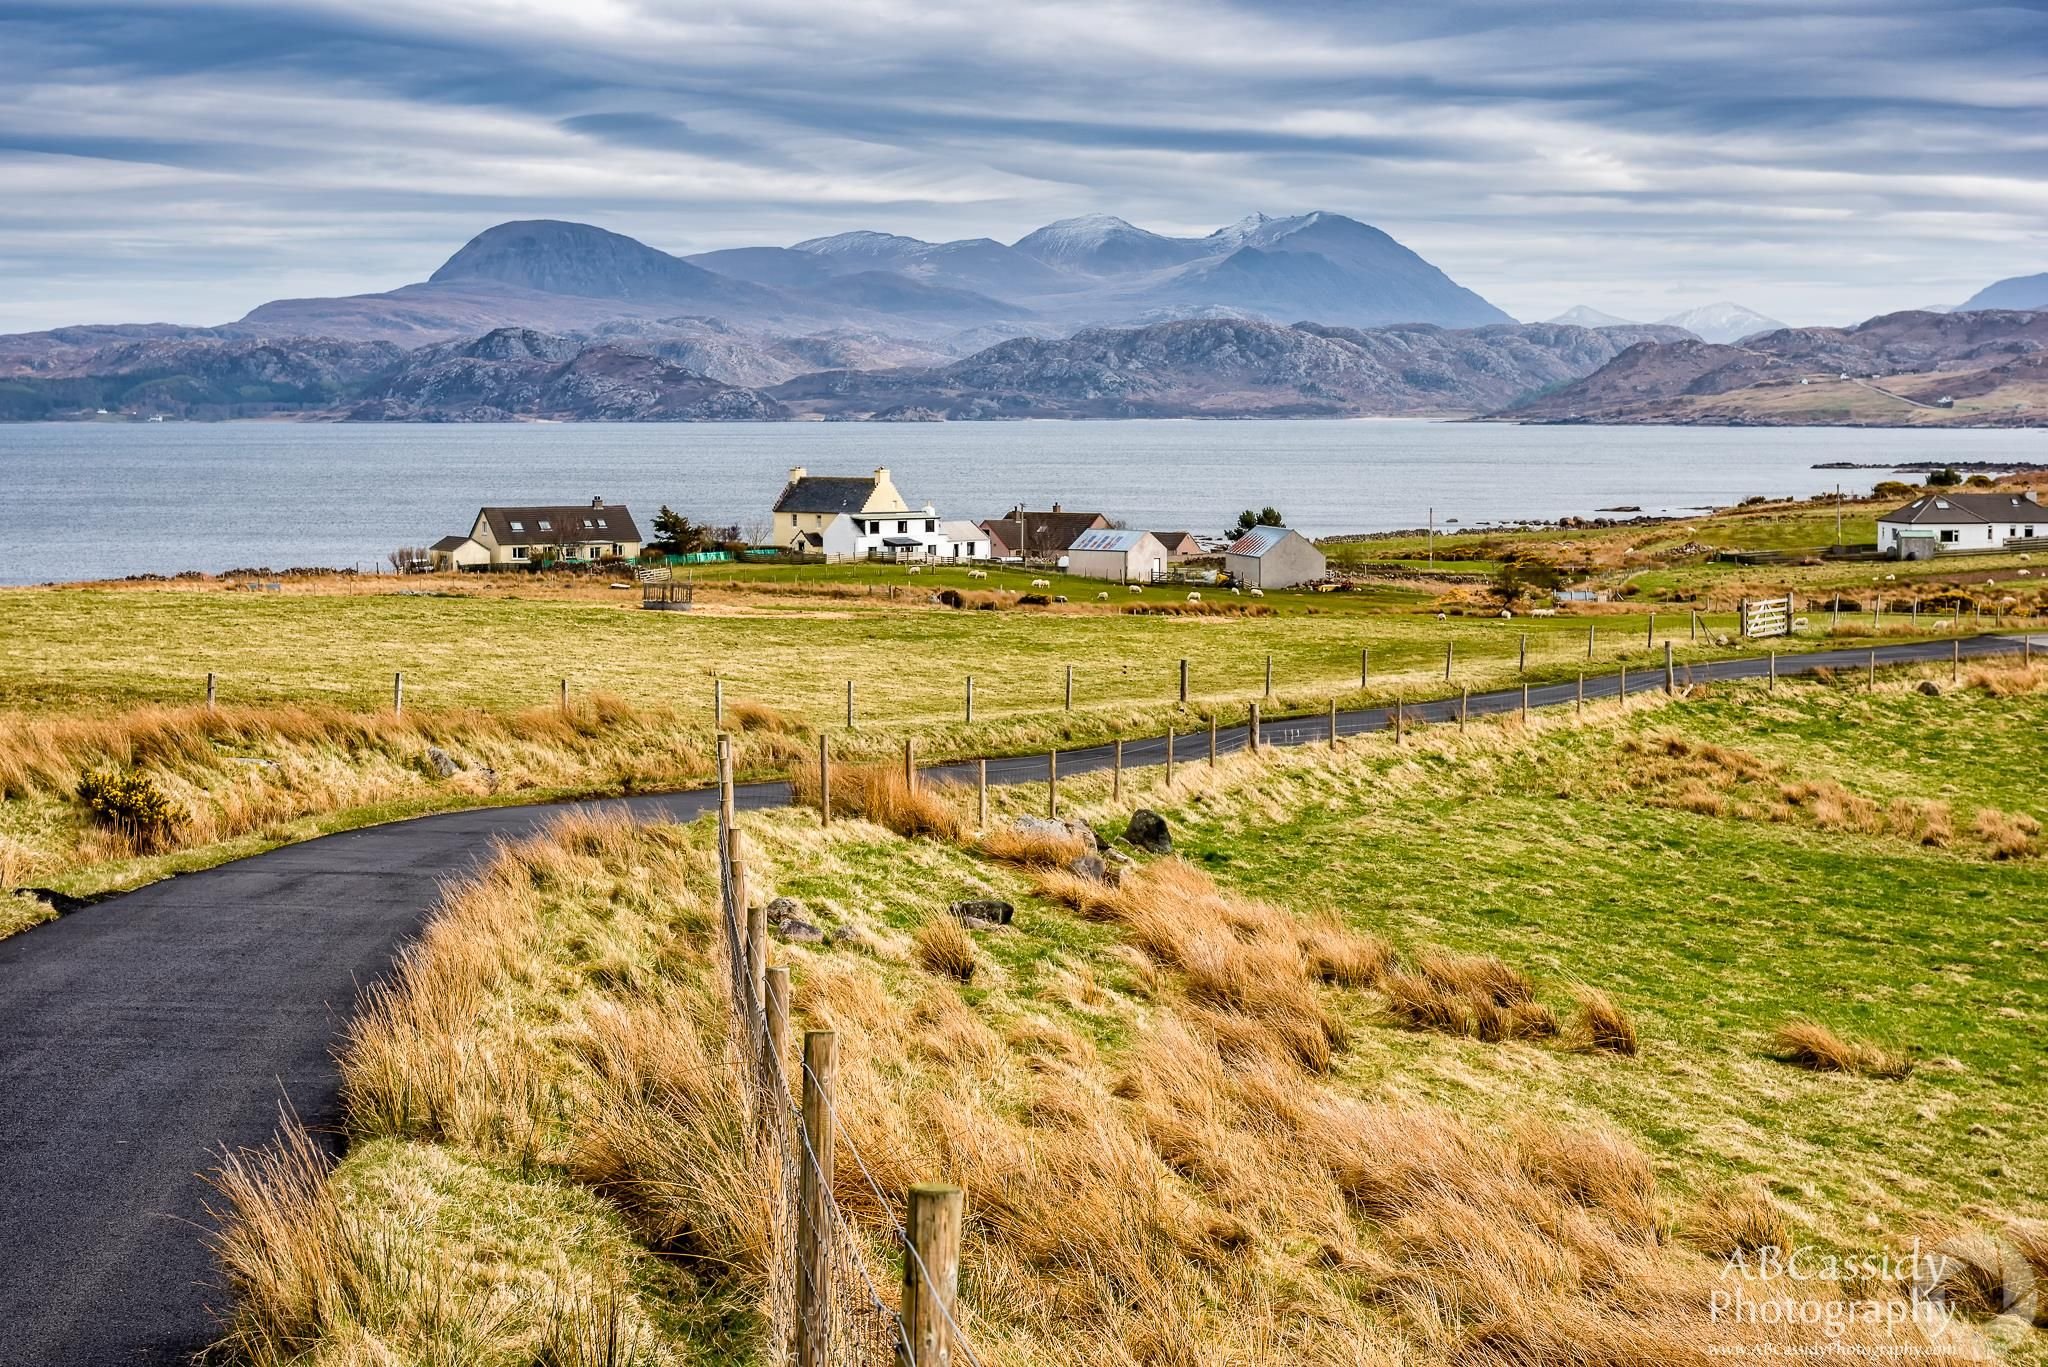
[962,540]
[1179,545]
[1274,558]
[570,533]
[853,517]
[1939,522]
[1023,534]
[1130,557]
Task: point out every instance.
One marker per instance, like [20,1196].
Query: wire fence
[823,1304]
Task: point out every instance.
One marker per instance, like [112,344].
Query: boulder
[1043,825]
[783,909]
[1930,688]
[1091,867]
[993,910]
[850,937]
[799,932]
[444,764]
[1148,831]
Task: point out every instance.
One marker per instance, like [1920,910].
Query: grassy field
[1206,1081]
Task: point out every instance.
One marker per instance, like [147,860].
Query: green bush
[131,804]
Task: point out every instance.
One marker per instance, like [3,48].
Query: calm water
[81,500]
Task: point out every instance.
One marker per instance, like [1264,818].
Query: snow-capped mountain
[1586,316]
[1103,244]
[1723,322]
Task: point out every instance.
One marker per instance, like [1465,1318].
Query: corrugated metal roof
[1120,539]
[1258,541]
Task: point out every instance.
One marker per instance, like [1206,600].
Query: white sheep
[1041,583]
[1234,590]
[1799,624]
[977,574]
[1505,613]
[1134,588]
[1543,612]
[1258,593]
[914,569]
[1059,598]
[1102,597]
[2025,573]
[1443,617]
[1194,598]
[1888,578]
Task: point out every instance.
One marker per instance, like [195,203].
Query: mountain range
[1723,322]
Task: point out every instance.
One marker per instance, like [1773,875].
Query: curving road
[141,1035]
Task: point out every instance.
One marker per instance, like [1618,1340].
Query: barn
[1274,558]
[1115,553]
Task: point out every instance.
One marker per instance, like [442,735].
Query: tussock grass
[1812,1045]
[1467,994]
[745,715]
[2008,680]
[879,793]
[2009,835]
[944,947]
[1735,1218]
[1032,847]
[1601,1025]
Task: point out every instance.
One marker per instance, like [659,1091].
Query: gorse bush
[129,803]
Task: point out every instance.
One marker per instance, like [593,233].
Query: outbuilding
[458,553]
[1274,558]
[1133,557]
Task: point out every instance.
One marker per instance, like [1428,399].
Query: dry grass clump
[1735,1219]
[1202,609]
[1033,846]
[879,793]
[944,947]
[2009,835]
[1601,1025]
[2008,681]
[1812,1045]
[1467,994]
[285,1247]
[754,716]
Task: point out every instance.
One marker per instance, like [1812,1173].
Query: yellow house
[844,517]
[574,533]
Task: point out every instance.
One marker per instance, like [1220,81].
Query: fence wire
[852,1323]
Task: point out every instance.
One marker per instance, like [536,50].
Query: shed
[1179,545]
[458,553]
[1274,558]
[1133,557]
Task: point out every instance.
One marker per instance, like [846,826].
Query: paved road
[141,1035]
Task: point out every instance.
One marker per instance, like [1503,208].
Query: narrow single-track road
[142,1035]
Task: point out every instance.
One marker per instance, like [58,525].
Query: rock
[799,932]
[445,764]
[783,909]
[976,923]
[1147,831]
[1090,867]
[1930,688]
[993,910]
[1042,825]
[850,937]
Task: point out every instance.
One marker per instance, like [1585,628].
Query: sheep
[1194,598]
[1041,583]
[1258,593]
[916,570]
[1888,578]
[1543,612]
[1134,588]
[1443,616]
[977,574]
[1505,613]
[2025,573]
[1102,597]
[1234,590]
[1059,598]
[1799,624]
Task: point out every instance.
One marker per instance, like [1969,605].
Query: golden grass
[880,793]
[944,947]
[2009,835]
[1032,846]
[1735,1219]
[1467,994]
[1812,1045]
[1601,1025]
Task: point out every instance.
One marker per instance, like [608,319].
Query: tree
[677,535]
[1945,478]
[1268,516]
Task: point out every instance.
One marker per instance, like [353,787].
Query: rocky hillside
[202,377]
[1224,368]
[1874,373]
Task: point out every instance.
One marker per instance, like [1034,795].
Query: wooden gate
[1767,616]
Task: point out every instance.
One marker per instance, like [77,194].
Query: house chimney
[797,472]
[1055,506]
[881,473]
[597,503]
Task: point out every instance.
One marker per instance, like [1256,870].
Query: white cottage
[1946,522]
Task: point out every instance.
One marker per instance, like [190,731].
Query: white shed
[962,540]
[1116,553]
[1274,558]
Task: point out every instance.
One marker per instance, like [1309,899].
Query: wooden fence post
[398,694]
[777,1043]
[1670,673]
[1169,756]
[725,785]
[1448,647]
[1269,676]
[1116,772]
[1364,666]
[1592,630]
[1650,636]
[1212,740]
[565,697]
[981,794]
[824,779]
[717,702]
[849,704]
[756,918]
[1464,705]
[210,691]
[909,763]
[1333,723]
[1183,681]
[1252,728]
[1522,655]
[1873,667]
[1955,661]
[1525,703]
[1052,783]
[931,1273]
[814,1203]
[1070,688]
[1622,693]
[970,699]
[1400,719]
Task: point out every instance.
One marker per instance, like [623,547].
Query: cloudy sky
[1820,161]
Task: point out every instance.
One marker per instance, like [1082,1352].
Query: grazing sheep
[1799,624]
[1443,617]
[1888,578]
[1234,590]
[1194,598]
[1543,612]
[2024,573]
[1102,597]
[1041,583]
[1059,598]
[1258,593]
[1134,588]
[1505,613]
[977,574]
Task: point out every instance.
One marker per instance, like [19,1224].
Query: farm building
[1113,553]
[1179,545]
[960,539]
[571,534]
[854,517]
[1944,522]
[1274,558]
[1022,533]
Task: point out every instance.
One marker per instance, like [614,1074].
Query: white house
[1274,558]
[963,540]
[855,517]
[1948,522]
[1131,557]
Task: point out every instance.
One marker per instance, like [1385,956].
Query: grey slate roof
[1965,509]
[450,543]
[578,522]
[826,494]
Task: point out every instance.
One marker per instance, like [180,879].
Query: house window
[930,525]
[519,552]
[586,524]
[618,549]
[2029,531]
[600,522]
[545,525]
[519,526]
[1949,535]
[902,527]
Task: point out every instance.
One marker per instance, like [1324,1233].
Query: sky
[1821,161]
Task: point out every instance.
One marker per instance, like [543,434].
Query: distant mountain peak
[1722,322]
[553,256]
[1103,244]
[1586,316]
[860,242]
[2027,292]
